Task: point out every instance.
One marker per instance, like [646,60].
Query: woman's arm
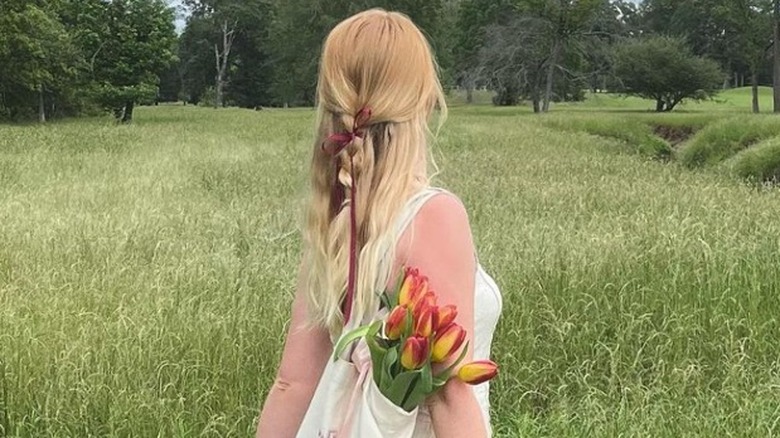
[305,354]
[441,247]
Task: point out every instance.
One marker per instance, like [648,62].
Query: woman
[378,89]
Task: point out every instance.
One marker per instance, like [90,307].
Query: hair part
[381,60]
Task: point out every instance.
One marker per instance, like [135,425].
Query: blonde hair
[380,60]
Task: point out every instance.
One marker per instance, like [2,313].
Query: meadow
[146,271]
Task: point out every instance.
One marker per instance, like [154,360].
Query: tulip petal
[415,353]
[447,342]
[445,316]
[394,324]
[478,372]
[424,324]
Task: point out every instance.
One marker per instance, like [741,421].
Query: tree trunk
[548,92]
[736,79]
[754,82]
[537,105]
[469,93]
[776,52]
[41,106]
[127,117]
[659,105]
[218,102]
[222,58]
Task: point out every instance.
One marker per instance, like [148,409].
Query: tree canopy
[63,57]
[664,69]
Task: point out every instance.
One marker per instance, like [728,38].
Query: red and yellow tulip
[413,287]
[445,316]
[394,324]
[424,301]
[424,324]
[415,352]
[448,341]
[478,372]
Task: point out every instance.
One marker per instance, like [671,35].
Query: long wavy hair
[381,60]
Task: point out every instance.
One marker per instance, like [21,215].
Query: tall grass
[722,140]
[760,163]
[146,274]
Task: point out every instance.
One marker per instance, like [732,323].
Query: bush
[724,139]
[664,69]
[760,163]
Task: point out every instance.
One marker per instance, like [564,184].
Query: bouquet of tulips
[414,338]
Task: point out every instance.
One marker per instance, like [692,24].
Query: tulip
[445,316]
[413,287]
[423,325]
[415,353]
[424,301]
[394,324]
[478,372]
[447,342]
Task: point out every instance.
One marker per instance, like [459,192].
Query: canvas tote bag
[348,404]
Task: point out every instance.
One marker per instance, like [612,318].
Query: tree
[615,22]
[664,69]
[37,56]
[776,53]
[748,28]
[568,24]
[514,58]
[196,59]
[474,17]
[128,43]
[235,36]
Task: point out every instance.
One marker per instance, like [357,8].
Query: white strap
[413,206]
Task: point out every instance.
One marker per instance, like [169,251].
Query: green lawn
[146,272]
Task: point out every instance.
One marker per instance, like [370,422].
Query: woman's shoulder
[444,213]
[443,205]
[438,227]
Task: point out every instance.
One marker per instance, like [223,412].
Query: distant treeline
[68,57]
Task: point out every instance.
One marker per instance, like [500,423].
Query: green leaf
[386,368]
[374,328]
[401,386]
[426,378]
[378,356]
[348,339]
[414,398]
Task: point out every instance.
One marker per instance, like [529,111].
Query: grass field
[146,273]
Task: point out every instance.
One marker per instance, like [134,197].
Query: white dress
[347,404]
